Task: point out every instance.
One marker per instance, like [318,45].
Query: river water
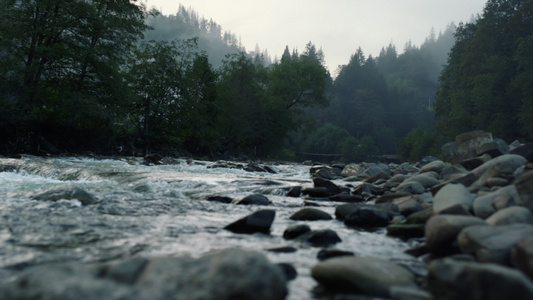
[158,210]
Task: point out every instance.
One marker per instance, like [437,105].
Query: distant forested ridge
[117,78]
[212,39]
[377,101]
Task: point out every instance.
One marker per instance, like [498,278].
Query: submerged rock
[67,193]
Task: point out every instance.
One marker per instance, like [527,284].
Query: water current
[158,210]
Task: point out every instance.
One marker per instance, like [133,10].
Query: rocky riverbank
[468,220]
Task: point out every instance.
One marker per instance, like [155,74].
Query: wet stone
[258,222]
[330,253]
[366,217]
[255,199]
[320,238]
[294,231]
[310,214]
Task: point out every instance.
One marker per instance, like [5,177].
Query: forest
[117,78]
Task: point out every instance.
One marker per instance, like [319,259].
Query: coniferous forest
[113,77]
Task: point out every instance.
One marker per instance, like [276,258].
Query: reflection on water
[156,210]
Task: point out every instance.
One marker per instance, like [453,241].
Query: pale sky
[339,27]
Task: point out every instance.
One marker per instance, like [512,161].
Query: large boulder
[511,215]
[502,166]
[442,230]
[453,280]
[450,195]
[466,145]
[362,275]
[492,243]
[228,274]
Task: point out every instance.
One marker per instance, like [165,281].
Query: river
[158,210]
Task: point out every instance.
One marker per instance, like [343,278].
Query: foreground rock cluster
[473,221]
[468,218]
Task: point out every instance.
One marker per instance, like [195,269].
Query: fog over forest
[180,84]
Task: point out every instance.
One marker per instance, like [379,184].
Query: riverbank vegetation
[118,78]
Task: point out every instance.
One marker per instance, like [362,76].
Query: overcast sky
[339,27]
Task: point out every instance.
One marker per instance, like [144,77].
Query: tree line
[79,75]
[488,80]
[116,77]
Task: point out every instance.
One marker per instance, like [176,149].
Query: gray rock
[466,145]
[495,148]
[412,187]
[316,192]
[255,199]
[450,195]
[492,243]
[310,214]
[344,197]
[330,253]
[257,222]
[420,217]
[408,205]
[320,238]
[511,215]
[367,217]
[474,162]
[442,230]
[332,188]
[362,275]
[502,166]
[482,205]
[453,280]
[324,172]
[67,193]
[425,180]
[229,274]
[434,166]
[452,171]
[295,231]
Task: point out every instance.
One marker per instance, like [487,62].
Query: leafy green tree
[418,144]
[241,95]
[299,82]
[63,61]
[483,85]
[163,94]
